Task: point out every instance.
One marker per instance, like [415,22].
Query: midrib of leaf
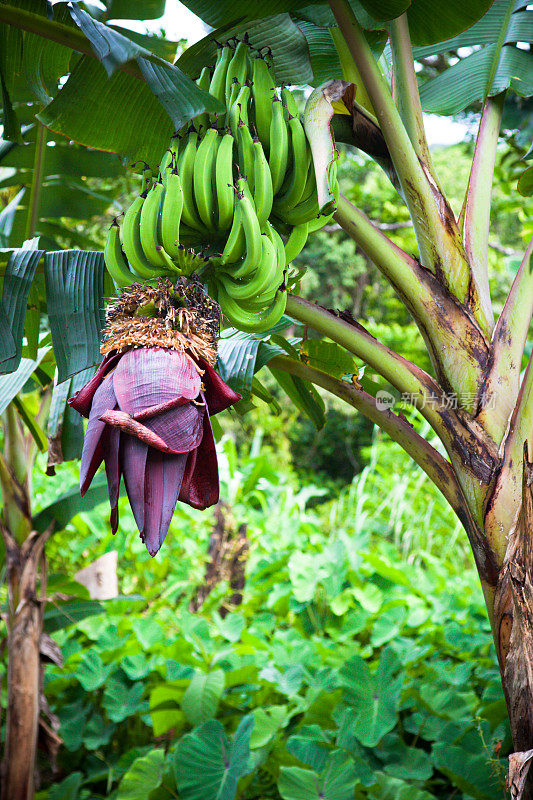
[498,47]
[36,182]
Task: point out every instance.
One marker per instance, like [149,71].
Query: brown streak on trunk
[514,623]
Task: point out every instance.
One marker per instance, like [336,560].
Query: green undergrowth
[358,665]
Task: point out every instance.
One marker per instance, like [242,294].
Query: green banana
[252,321]
[237,70]
[288,99]
[263,191]
[204,177]
[236,242]
[238,112]
[252,239]
[245,146]
[296,242]
[279,145]
[115,260]
[217,87]
[262,278]
[203,82]
[294,185]
[186,171]
[224,182]
[171,210]
[131,240]
[264,90]
[149,225]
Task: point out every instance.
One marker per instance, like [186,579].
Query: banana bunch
[227,189]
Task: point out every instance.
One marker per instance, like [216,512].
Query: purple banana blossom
[148,413]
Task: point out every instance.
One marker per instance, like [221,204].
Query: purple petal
[162,485]
[153,500]
[150,375]
[181,428]
[82,400]
[201,489]
[133,463]
[173,471]
[218,394]
[93,453]
[111,444]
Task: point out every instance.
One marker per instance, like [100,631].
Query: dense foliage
[349,665]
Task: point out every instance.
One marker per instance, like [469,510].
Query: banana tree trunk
[24,552]
[513,623]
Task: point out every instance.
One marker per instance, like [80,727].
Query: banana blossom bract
[148,411]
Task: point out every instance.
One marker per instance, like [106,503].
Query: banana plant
[359,56]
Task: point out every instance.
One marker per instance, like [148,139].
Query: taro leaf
[329,357]
[311,746]
[71,503]
[74,293]
[69,612]
[165,709]
[135,666]
[376,698]
[267,722]
[406,763]
[469,772]
[18,278]
[207,765]
[92,672]
[13,383]
[121,700]
[97,732]
[67,789]
[200,701]
[389,788]
[337,781]
[144,775]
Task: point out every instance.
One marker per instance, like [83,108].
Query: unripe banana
[279,145]
[264,90]
[171,210]
[263,191]
[238,112]
[237,69]
[131,240]
[224,182]
[186,171]
[252,238]
[252,321]
[149,225]
[262,279]
[204,177]
[217,87]
[245,146]
[288,99]
[115,260]
[294,184]
[296,242]
[236,242]
[203,82]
